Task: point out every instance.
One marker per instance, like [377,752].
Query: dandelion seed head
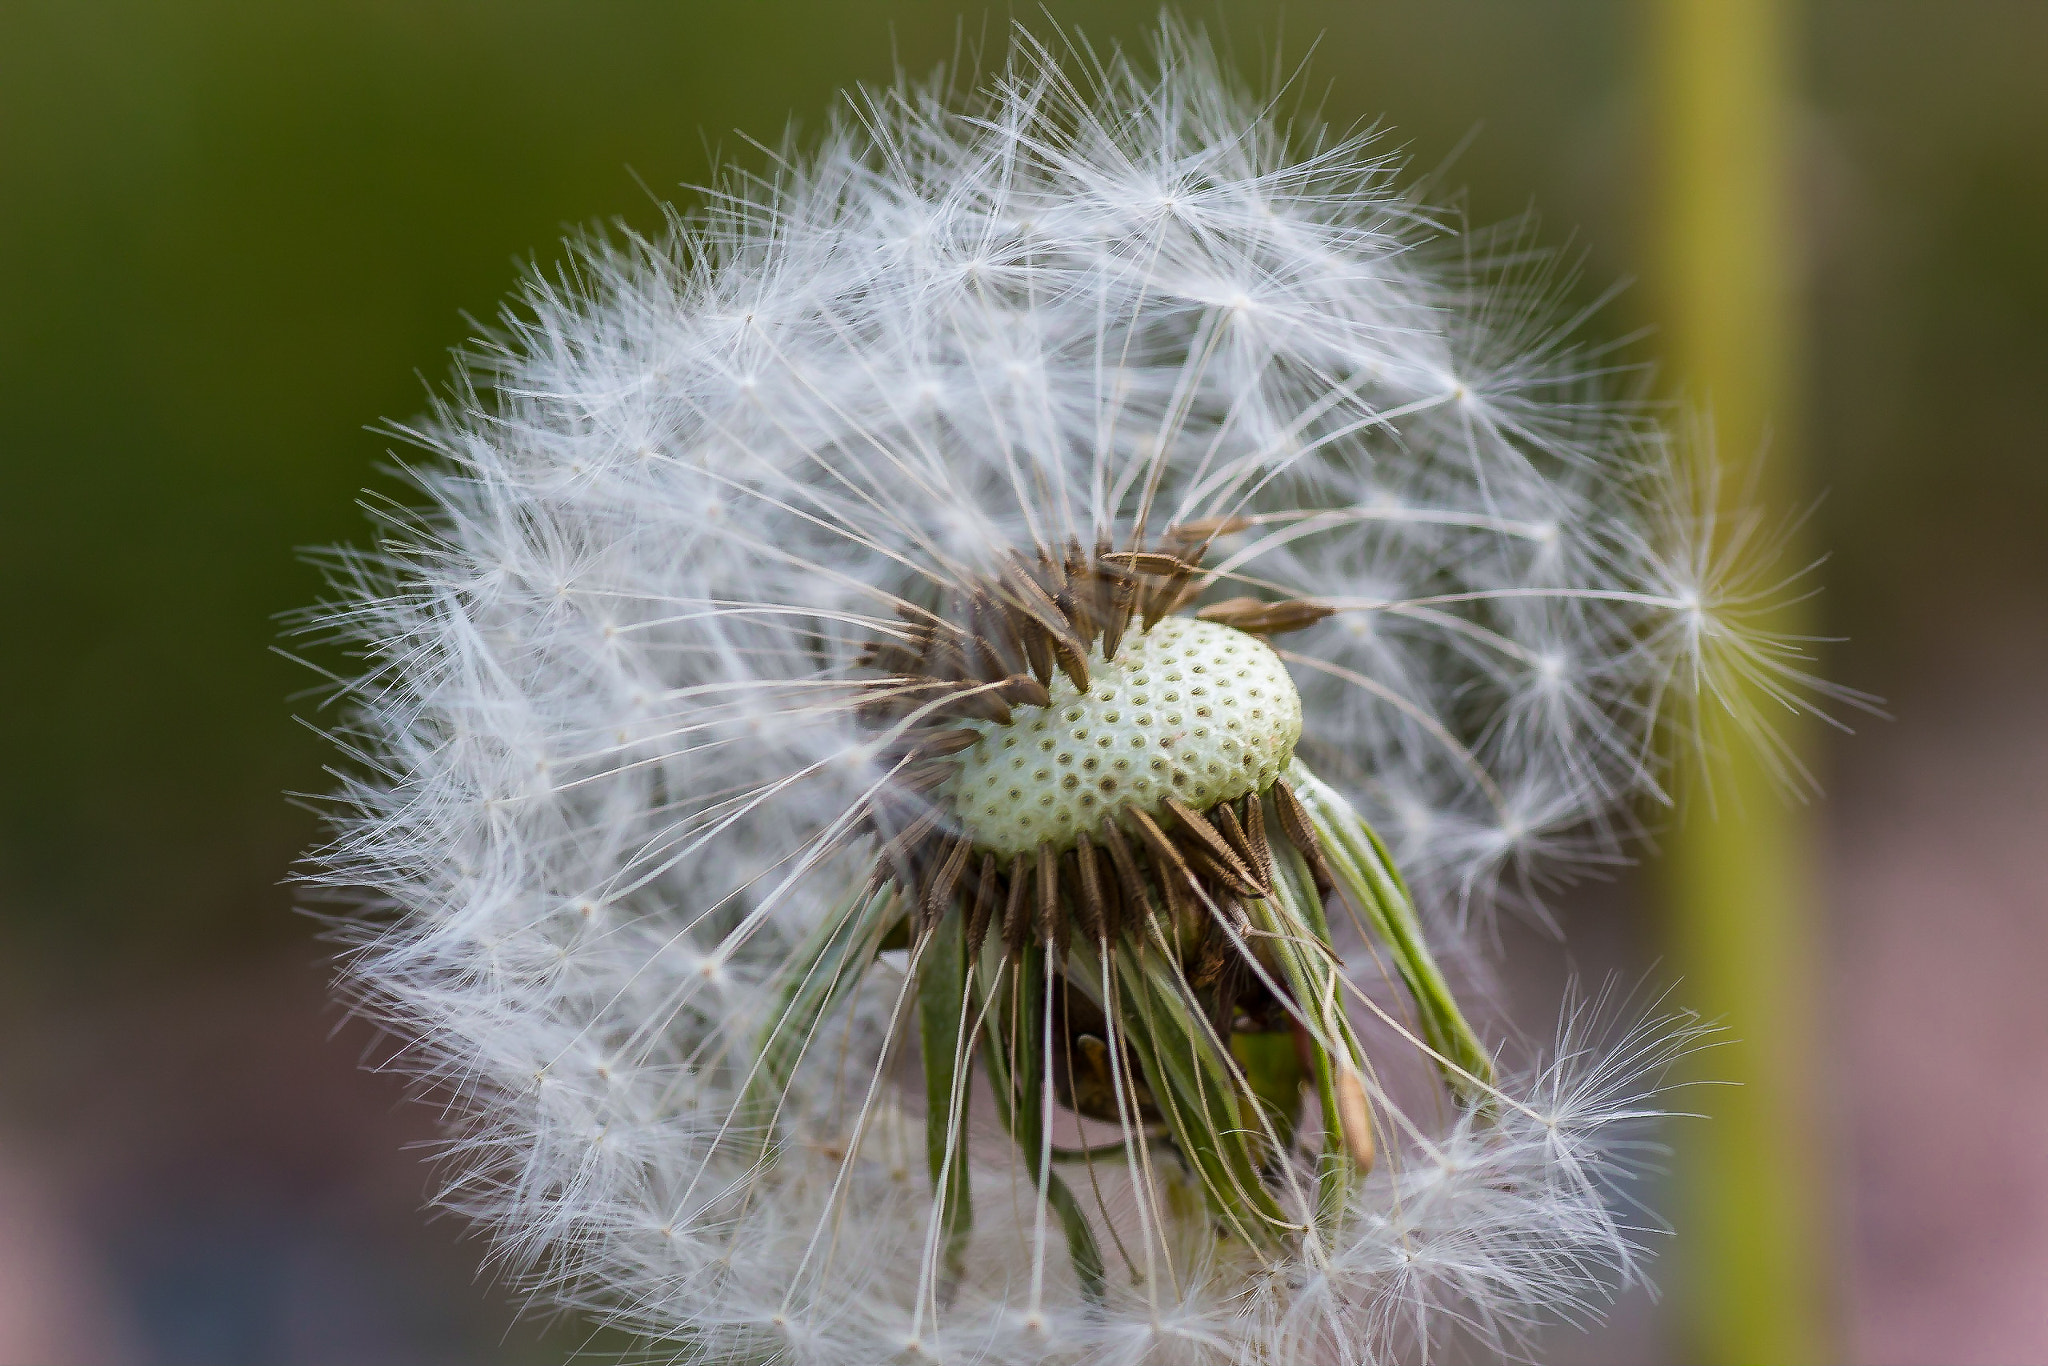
[749,561]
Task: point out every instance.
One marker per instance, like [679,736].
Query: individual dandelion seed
[921,736]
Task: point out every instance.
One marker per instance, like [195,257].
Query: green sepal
[1013,1035]
[1271,1065]
[1199,1090]
[1295,919]
[1365,872]
[823,972]
[942,1015]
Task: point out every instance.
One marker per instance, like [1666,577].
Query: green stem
[1730,148]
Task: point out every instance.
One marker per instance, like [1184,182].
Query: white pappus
[892,753]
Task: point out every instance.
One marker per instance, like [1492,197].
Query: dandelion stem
[1742,921]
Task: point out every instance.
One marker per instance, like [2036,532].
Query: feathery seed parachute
[926,738]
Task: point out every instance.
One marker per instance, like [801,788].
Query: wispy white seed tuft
[625,760]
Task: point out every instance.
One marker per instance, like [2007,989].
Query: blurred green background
[235,235]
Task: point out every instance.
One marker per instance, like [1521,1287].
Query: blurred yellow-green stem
[1751,1211]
